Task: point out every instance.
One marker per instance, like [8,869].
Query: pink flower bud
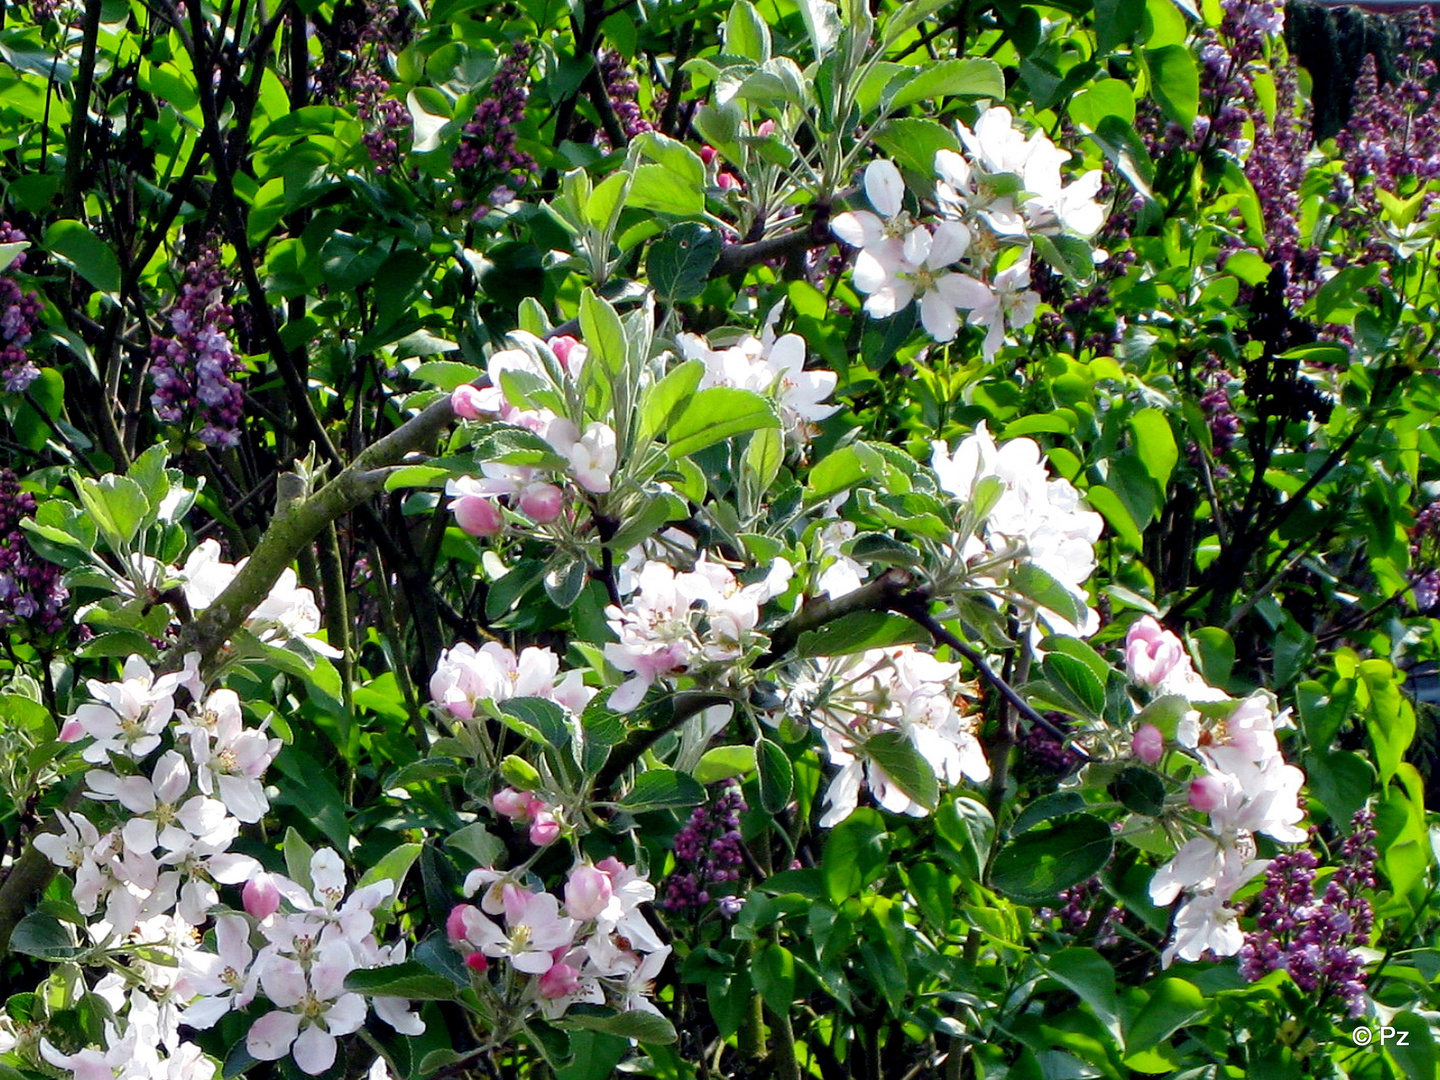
[477,962]
[73,731]
[455,924]
[465,400]
[708,154]
[1207,793]
[729,182]
[560,981]
[477,516]
[767,128]
[561,346]
[260,897]
[587,892]
[1148,744]
[612,866]
[544,829]
[512,804]
[541,502]
[1152,652]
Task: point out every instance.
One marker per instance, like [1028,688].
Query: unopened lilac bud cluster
[1045,753]
[623,92]
[19,318]
[1315,940]
[1078,905]
[1219,412]
[708,853]
[30,587]
[193,368]
[488,151]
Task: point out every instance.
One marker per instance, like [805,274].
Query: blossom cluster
[772,367]
[852,699]
[30,587]
[598,948]
[686,623]
[183,781]
[193,367]
[1316,939]
[19,319]
[288,612]
[466,676]
[975,257]
[1241,783]
[1035,518]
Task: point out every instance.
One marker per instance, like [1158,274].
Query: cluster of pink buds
[526,808]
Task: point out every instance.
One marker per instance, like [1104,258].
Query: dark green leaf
[777,775]
[662,789]
[679,263]
[1054,855]
[896,754]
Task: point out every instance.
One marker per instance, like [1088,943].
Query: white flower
[321,1010]
[592,455]
[1010,303]
[535,928]
[127,717]
[219,981]
[885,189]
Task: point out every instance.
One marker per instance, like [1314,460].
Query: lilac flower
[193,368]
[19,318]
[488,153]
[1315,939]
[708,854]
[30,587]
[622,90]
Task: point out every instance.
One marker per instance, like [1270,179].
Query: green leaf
[393,866]
[564,580]
[643,1027]
[85,253]
[1248,267]
[896,754]
[537,719]
[662,789]
[774,975]
[1175,82]
[1155,444]
[446,374]
[717,414]
[297,858]
[657,188]
[777,775]
[913,142]
[45,937]
[723,762]
[117,505]
[966,77]
[856,853]
[746,33]
[1054,855]
[1139,790]
[411,980]
[968,831]
[478,842]
[1116,515]
[1045,592]
[1117,22]
[1092,979]
[1076,683]
[836,471]
[858,632]
[664,402]
[679,263]
[1173,1004]
[604,333]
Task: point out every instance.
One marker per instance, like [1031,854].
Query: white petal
[938,316]
[314,1050]
[270,1037]
[885,187]
[857,228]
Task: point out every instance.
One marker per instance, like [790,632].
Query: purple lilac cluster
[1219,413]
[19,318]
[193,368]
[623,92]
[708,854]
[488,149]
[386,119]
[1315,939]
[30,587]
[1423,552]
[1077,907]
[1392,142]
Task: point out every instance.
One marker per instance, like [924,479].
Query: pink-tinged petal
[284,981]
[939,317]
[347,1014]
[628,695]
[327,976]
[270,1037]
[917,245]
[397,1012]
[963,291]
[952,239]
[875,265]
[885,187]
[314,1050]
[532,963]
[859,228]
[952,168]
